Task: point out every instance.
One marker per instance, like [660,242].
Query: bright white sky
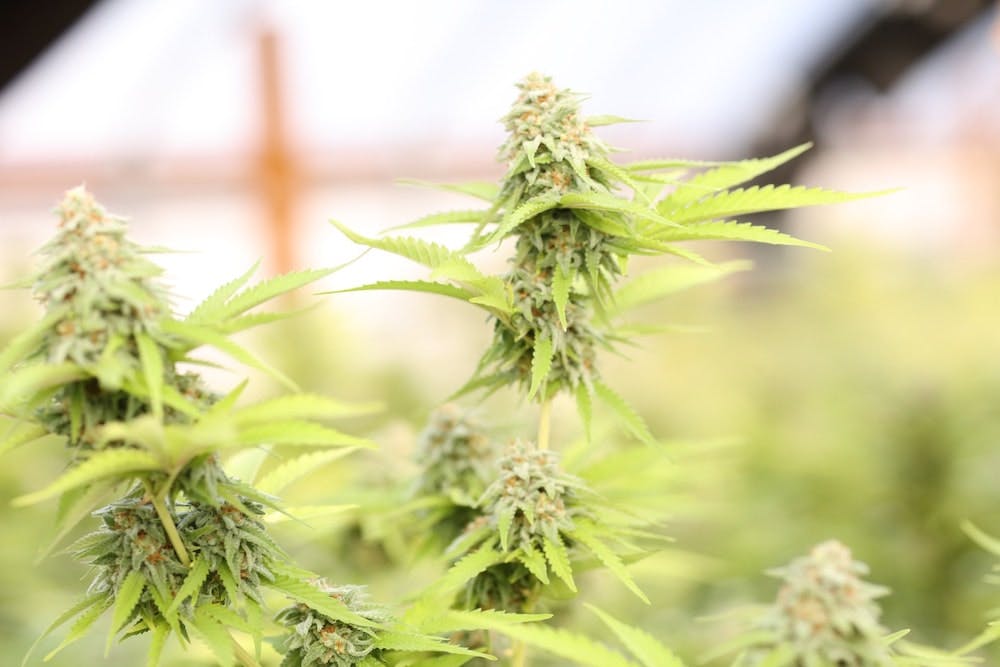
[171,77]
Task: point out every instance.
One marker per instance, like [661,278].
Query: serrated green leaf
[307,513]
[81,606]
[426,286]
[196,336]
[732,230]
[215,636]
[281,476]
[585,535]
[28,340]
[102,465]
[680,165]
[18,433]
[535,562]
[562,281]
[403,641]
[665,280]
[82,624]
[608,119]
[445,218]
[602,201]
[74,506]
[742,201]
[578,648]
[152,370]
[558,557]
[446,621]
[727,175]
[309,595]
[430,254]
[158,640]
[26,381]
[295,432]
[621,175]
[628,416]
[518,216]
[269,289]
[504,521]
[303,406]
[466,568]
[192,584]
[212,306]
[649,651]
[126,598]
[541,363]
[485,190]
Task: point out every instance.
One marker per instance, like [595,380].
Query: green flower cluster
[456,457]
[316,640]
[825,613]
[549,153]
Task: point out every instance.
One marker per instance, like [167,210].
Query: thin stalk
[545,424]
[242,655]
[520,655]
[168,525]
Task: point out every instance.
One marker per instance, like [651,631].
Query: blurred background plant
[848,395]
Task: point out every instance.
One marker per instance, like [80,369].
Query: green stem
[545,424]
[168,524]
[245,658]
[520,655]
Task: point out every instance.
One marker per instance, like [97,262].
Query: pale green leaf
[728,175]
[981,538]
[558,557]
[731,230]
[608,119]
[212,306]
[602,201]
[733,203]
[82,624]
[21,384]
[427,253]
[649,651]
[665,280]
[404,641]
[309,595]
[445,218]
[435,620]
[126,598]
[81,606]
[578,648]
[628,416]
[269,289]
[195,336]
[535,562]
[585,535]
[20,432]
[300,433]
[292,470]
[515,218]
[466,568]
[215,636]
[303,406]
[426,286]
[541,363]
[156,643]
[28,341]
[192,584]
[102,465]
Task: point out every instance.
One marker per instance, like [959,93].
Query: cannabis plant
[181,546]
[571,218]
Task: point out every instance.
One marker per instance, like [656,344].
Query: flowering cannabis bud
[531,499]
[315,640]
[455,456]
[826,613]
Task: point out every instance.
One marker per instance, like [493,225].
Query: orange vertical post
[277,172]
